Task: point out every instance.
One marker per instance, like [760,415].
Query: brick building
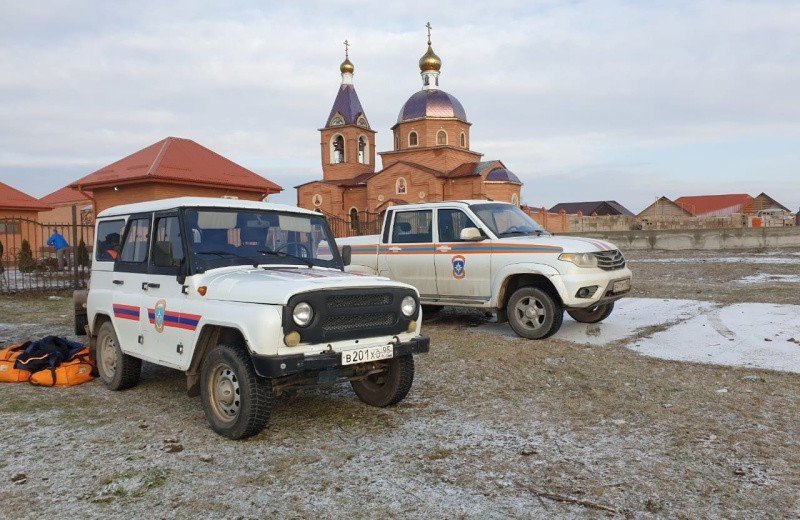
[61,202]
[172,167]
[431,159]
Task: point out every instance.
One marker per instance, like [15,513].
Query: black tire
[429,311]
[534,314]
[81,321]
[236,401]
[594,314]
[117,370]
[387,388]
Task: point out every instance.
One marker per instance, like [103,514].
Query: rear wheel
[388,387]
[81,321]
[236,401]
[534,314]
[594,314]
[116,369]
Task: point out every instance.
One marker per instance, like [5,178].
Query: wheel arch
[209,337]
[513,282]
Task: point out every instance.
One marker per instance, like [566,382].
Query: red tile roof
[716,205]
[180,161]
[14,200]
[66,195]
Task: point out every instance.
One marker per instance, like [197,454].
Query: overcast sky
[583,100]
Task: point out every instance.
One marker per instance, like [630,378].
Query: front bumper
[569,284]
[280,366]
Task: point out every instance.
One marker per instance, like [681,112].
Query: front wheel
[534,314]
[388,387]
[116,369]
[236,402]
[594,314]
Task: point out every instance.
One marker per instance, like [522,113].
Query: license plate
[367,354]
[621,286]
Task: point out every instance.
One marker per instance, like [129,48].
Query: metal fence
[29,261]
[362,223]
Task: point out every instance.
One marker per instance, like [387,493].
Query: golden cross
[428,25]
[346,47]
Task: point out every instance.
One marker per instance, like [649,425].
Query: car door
[130,274]
[167,330]
[408,257]
[462,267]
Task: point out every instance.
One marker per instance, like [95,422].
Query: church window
[463,140]
[441,137]
[363,156]
[400,186]
[362,121]
[396,142]
[337,120]
[515,199]
[413,140]
[337,150]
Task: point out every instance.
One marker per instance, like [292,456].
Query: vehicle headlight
[302,314]
[408,306]
[579,259]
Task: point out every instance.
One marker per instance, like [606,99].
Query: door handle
[395,249]
[153,285]
[443,249]
[118,282]
[144,286]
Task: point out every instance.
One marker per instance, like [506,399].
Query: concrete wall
[742,238]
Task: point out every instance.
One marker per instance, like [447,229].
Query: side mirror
[182,271]
[347,255]
[471,234]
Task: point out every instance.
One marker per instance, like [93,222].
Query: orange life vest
[9,374]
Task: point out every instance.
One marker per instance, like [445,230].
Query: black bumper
[279,366]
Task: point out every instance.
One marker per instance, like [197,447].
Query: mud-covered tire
[594,314]
[533,313]
[387,388]
[81,321]
[116,370]
[236,401]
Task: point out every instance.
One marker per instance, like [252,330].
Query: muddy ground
[493,428]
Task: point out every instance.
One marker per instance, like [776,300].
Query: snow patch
[719,260]
[770,278]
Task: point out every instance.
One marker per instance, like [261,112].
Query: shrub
[82,255]
[26,263]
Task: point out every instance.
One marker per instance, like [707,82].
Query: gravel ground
[493,428]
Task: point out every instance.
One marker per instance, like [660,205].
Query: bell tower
[347,142]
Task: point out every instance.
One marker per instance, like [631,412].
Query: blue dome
[431,103]
[501,174]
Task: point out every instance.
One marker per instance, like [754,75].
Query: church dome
[347,66]
[431,103]
[430,61]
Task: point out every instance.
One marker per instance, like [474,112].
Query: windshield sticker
[459,267]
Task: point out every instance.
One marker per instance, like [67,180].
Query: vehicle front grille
[358,300]
[610,260]
[358,321]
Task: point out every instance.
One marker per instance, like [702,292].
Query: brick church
[431,159]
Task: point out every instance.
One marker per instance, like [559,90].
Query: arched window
[396,142]
[337,150]
[400,186]
[441,137]
[515,199]
[362,121]
[337,120]
[354,219]
[463,139]
[413,140]
[363,155]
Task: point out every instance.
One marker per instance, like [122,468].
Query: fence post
[74,247]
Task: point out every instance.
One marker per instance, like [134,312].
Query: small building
[61,201]
[599,208]
[18,213]
[662,208]
[171,167]
[717,205]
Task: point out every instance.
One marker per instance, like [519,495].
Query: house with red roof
[171,167]
[716,205]
[17,211]
[61,202]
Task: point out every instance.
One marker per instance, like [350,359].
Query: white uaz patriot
[249,299]
[492,255]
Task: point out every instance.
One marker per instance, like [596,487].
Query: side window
[109,235]
[451,222]
[135,247]
[413,227]
[167,244]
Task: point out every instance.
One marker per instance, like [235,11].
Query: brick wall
[442,158]
[427,130]
[350,167]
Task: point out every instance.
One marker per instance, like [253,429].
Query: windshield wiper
[304,261]
[219,252]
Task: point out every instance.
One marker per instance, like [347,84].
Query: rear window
[109,234]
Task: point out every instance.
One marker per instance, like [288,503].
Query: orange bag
[9,374]
[75,371]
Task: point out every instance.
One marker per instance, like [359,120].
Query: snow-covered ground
[770,278]
[755,335]
[754,259]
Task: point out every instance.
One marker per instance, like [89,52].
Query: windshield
[226,236]
[507,220]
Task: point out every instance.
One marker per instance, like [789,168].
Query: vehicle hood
[566,244]
[276,285]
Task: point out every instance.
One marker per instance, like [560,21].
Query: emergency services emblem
[459,267]
[158,315]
